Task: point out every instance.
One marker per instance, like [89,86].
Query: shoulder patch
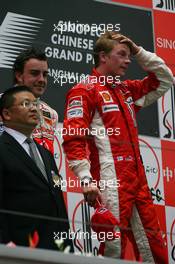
[46,114]
[110,108]
[75,101]
[107,98]
[75,112]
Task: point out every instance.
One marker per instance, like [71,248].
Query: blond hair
[106,43]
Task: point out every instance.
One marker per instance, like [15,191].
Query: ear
[102,57]
[19,78]
[6,113]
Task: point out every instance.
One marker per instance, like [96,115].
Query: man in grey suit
[25,185]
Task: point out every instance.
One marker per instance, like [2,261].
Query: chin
[122,74]
[34,122]
[38,94]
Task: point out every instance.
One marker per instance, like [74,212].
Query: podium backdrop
[67,30]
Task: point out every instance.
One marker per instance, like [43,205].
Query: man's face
[34,76]
[23,114]
[117,60]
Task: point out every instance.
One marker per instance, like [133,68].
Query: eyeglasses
[28,104]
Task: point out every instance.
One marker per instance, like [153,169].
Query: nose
[127,60]
[41,77]
[34,107]
[35,110]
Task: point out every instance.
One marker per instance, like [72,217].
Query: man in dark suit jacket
[23,187]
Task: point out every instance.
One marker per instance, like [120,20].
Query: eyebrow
[36,70]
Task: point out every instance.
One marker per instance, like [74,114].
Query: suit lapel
[18,151]
[49,166]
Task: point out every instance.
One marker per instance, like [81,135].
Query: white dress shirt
[21,139]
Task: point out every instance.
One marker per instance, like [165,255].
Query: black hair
[7,99]
[24,56]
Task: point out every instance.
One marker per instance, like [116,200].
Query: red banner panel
[143,3]
[165,36]
[168,165]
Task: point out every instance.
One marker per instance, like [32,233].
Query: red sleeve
[77,118]
[139,88]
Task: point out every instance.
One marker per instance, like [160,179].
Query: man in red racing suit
[101,112]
